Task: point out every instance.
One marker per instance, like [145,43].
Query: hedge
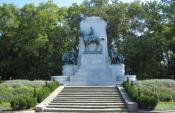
[26,97]
[144,101]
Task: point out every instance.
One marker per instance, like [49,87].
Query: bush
[18,83]
[133,93]
[1,81]
[23,102]
[53,85]
[162,89]
[31,102]
[23,96]
[24,90]
[18,103]
[144,101]
[14,104]
[6,94]
[42,93]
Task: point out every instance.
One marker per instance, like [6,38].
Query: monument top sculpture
[89,39]
[93,66]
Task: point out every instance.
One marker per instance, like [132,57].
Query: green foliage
[19,83]
[53,85]
[148,92]
[23,102]
[1,81]
[42,93]
[14,104]
[6,94]
[131,90]
[10,90]
[147,102]
[21,94]
[31,101]
[163,90]
[144,101]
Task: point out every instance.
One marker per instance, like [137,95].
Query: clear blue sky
[21,3]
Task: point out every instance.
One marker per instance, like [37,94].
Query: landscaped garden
[24,94]
[153,94]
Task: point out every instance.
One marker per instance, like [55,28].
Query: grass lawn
[165,106]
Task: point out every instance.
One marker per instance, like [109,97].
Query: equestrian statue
[116,58]
[70,57]
[90,38]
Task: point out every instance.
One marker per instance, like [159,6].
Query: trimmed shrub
[17,83]
[42,93]
[22,103]
[6,94]
[53,85]
[24,90]
[14,104]
[1,81]
[162,89]
[31,102]
[133,93]
[144,101]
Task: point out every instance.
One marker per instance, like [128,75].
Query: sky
[21,3]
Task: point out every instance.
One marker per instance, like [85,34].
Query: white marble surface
[94,69]
[68,70]
[99,27]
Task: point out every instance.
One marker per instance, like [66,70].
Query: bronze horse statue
[91,38]
[116,58]
[69,57]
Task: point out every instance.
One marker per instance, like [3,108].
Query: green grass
[165,106]
[5,106]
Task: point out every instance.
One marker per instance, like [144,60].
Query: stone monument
[92,66]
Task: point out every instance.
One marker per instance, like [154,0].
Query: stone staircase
[87,99]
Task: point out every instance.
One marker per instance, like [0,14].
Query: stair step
[80,104]
[83,101]
[90,89]
[117,96]
[95,88]
[87,99]
[85,110]
[85,106]
[89,93]
[90,99]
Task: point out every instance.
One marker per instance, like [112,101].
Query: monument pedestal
[93,65]
[68,70]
